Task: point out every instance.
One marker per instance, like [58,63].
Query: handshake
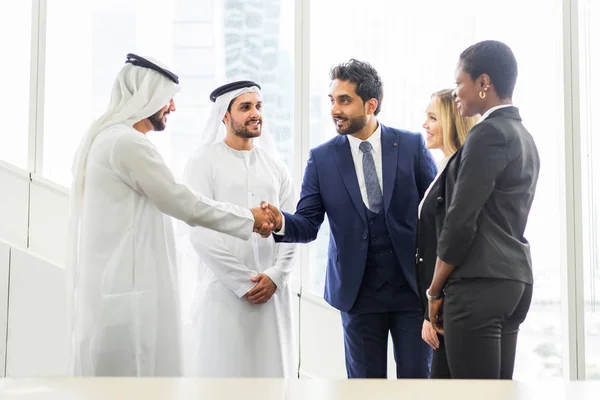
[267,218]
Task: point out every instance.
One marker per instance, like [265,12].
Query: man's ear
[226,117]
[372,105]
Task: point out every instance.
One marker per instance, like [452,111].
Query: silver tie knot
[365,147]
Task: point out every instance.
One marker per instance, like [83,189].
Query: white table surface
[265,389]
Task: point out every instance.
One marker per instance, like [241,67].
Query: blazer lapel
[442,178]
[343,158]
[389,159]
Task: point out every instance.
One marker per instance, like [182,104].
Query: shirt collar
[374,139]
[491,110]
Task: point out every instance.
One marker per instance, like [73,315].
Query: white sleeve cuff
[282,230]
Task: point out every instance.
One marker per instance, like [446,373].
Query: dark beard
[243,132]
[157,122]
[354,125]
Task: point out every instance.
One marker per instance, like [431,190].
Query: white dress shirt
[375,140]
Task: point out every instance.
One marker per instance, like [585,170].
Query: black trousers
[439,362]
[481,323]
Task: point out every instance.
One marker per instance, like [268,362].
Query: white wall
[48,228]
[322,340]
[33,215]
[14,199]
[36,318]
[4,274]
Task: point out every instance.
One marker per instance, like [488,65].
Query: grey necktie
[371,180]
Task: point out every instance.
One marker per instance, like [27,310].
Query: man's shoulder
[264,153]
[208,149]
[325,148]
[120,129]
[204,155]
[122,137]
[271,160]
[400,133]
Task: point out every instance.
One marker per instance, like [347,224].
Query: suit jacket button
[420,260]
[440,200]
[365,236]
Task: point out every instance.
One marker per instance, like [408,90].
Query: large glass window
[15,29]
[590,125]
[415,47]
[206,42]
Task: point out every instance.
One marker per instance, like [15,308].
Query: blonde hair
[454,126]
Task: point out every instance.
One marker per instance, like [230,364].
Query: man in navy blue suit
[369,181]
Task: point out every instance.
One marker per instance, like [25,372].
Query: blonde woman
[446,130]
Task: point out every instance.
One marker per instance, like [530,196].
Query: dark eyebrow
[249,103]
[342,96]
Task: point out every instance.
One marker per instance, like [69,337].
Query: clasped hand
[263,290]
[267,218]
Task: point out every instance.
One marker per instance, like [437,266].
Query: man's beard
[243,132]
[157,122]
[354,125]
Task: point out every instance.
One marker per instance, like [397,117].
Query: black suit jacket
[484,200]
[427,237]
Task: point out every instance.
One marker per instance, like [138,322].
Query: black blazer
[484,199]
[427,237]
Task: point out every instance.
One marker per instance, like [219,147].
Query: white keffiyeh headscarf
[215,130]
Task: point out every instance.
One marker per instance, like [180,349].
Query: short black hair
[495,59]
[364,76]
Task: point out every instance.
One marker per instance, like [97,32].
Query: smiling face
[350,114]
[434,138]
[244,119]
[466,94]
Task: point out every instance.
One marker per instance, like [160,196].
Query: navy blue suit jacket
[330,185]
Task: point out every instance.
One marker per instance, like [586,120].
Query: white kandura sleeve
[142,167]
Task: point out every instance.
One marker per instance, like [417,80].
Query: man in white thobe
[122,280]
[243,302]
